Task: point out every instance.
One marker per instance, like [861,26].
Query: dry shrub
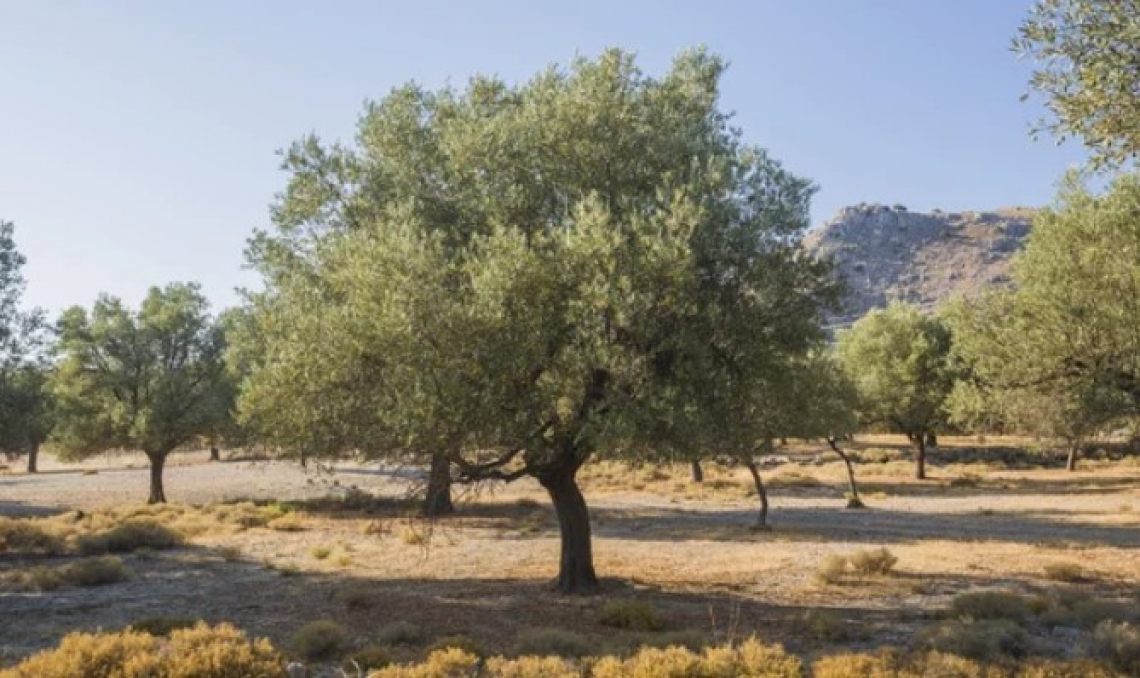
[290,522]
[983,640]
[833,570]
[163,626]
[85,572]
[750,658]
[130,536]
[884,664]
[543,642]
[1075,668]
[532,667]
[457,642]
[1070,573]
[824,626]
[320,552]
[24,535]
[451,663]
[1085,613]
[836,569]
[368,658]
[793,480]
[319,640]
[690,639]
[631,615]
[199,652]
[1118,644]
[990,605]
[401,633]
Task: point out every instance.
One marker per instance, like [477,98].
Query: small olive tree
[144,379]
[898,360]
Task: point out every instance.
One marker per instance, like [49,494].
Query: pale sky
[138,139]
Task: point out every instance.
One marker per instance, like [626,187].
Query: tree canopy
[898,360]
[525,277]
[146,379]
[1087,54]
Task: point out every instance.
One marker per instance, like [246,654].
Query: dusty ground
[688,548]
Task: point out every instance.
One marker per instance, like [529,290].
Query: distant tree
[528,277]
[148,379]
[1087,54]
[898,360]
[25,404]
[1060,354]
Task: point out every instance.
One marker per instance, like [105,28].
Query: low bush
[532,667]
[456,642]
[84,572]
[1082,612]
[836,569]
[824,626]
[990,605]
[367,658]
[129,536]
[631,615]
[750,658]
[983,640]
[163,626]
[289,522]
[1118,644]
[451,663]
[23,535]
[543,642]
[1070,573]
[319,640]
[401,633]
[198,652]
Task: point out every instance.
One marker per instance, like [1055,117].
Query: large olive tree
[145,379]
[521,278]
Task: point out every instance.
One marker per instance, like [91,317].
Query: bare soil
[689,549]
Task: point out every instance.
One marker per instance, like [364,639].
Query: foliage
[1060,354]
[546,642]
[990,605]
[199,652]
[84,572]
[1119,644]
[148,379]
[131,535]
[319,640]
[632,615]
[983,640]
[836,569]
[400,633]
[524,277]
[24,536]
[898,359]
[1087,58]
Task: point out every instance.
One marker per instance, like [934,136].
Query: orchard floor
[688,549]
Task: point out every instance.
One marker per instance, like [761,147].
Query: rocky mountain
[888,253]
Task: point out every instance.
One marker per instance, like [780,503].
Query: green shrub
[319,641]
[129,536]
[1118,644]
[824,626]
[456,642]
[631,615]
[990,605]
[401,633]
[1083,612]
[368,658]
[983,640]
[542,642]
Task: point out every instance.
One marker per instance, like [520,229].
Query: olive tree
[25,403]
[1060,353]
[526,277]
[898,360]
[1087,59]
[144,379]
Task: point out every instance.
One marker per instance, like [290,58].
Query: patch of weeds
[631,615]
[319,640]
[368,658]
[836,569]
[824,626]
[23,535]
[966,480]
[545,642]
[990,605]
[131,535]
[1071,573]
[85,572]
[794,479]
[401,633]
[1118,644]
[320,552]
[290,522]
[162,626]
[981,639]
[456,642]
[343,560]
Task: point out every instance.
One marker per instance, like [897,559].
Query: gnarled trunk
[854,501]
[762,492]
[33,458]
[215,454]
[157,461]
[576,564]
[698,472]
[920,456]
[437,501]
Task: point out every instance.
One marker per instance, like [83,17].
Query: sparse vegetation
[319,640]
[631,615]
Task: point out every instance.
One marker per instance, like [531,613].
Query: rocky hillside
[888,253]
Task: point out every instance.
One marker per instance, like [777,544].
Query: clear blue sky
[138,139]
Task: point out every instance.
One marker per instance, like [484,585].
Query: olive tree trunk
[698,472]
[215,454]
[854,501]
[1074,453]
[762,492]
[576,563]
[437,500]
[157,462]
[920,456]
[33,458]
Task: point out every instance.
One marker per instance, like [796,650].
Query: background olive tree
[145,379]
[523,278]
[898,360]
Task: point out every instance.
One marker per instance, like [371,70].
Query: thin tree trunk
[920,457]
[854,501]
[1074,452]
[437,501]
[762,492]
[698,472]
[304,460]
[215,454]
[576,564]
[931,439]
[157,494]
[33,458]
